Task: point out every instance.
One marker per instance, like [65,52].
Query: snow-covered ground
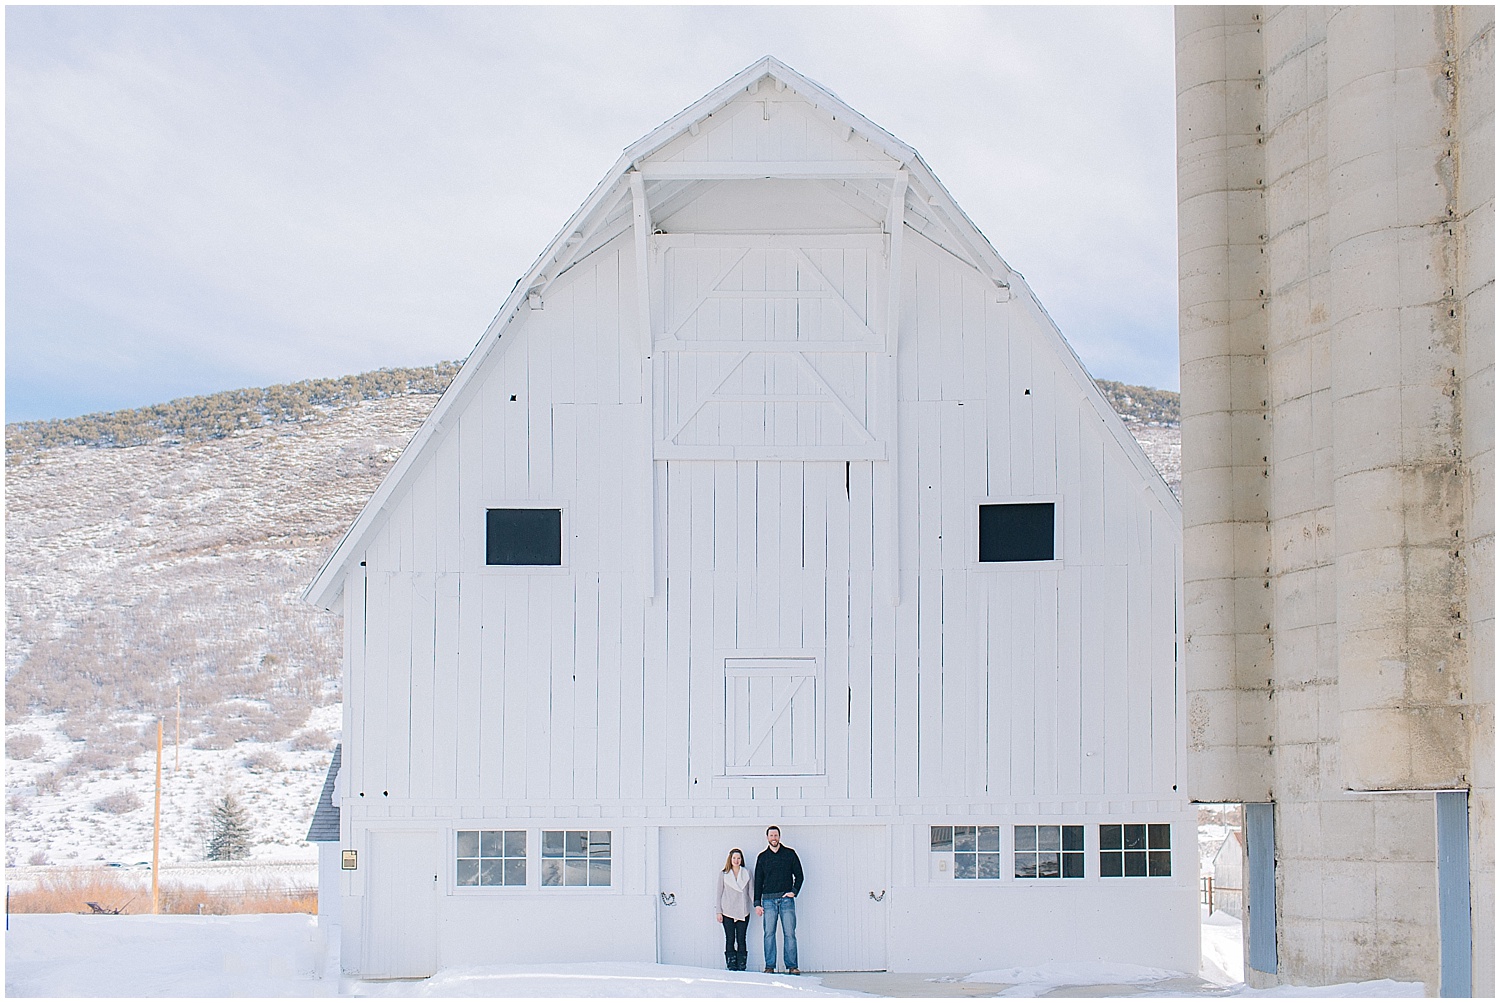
[1223,949]
[283,956]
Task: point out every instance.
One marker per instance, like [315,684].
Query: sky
[207,198]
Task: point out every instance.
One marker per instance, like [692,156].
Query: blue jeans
[785,909]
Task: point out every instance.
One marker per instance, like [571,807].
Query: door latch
[668,898]
[880,897]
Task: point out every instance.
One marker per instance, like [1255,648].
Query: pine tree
[228,830]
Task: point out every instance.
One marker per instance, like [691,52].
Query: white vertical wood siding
[470,684]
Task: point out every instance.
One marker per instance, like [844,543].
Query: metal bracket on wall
[668,898]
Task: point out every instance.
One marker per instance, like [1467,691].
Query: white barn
[772,495]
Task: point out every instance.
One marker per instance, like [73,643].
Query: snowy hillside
[135,575]
[131,571]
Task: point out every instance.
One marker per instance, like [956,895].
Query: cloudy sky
[199,199]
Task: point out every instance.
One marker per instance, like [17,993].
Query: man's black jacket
[776,873]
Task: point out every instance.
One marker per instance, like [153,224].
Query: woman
[732,908]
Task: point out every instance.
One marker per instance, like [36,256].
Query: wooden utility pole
[156,832]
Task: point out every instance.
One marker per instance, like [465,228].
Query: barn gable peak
[740,133]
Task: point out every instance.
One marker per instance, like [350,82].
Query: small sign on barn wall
[351,860]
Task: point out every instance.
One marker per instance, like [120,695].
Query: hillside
[162,551]
[217,416]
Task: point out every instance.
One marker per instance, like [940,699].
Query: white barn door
[840,927]
[401,905]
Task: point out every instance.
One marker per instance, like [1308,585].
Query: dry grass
[71,891]
[223,902]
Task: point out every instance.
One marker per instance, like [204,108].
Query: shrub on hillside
[89,761]
[24,746]
[263,761]
[118,803]
[311,740]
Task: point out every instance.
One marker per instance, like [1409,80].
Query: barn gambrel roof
[866,172]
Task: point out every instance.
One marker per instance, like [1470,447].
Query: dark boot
[744,957]
[731,958]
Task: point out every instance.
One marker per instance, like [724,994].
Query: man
[778,879]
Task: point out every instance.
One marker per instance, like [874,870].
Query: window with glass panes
[576,857]
[975,849]
[1135,850]
[491,857]
[1049,851]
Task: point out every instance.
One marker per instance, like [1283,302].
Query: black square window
[1021,532]
[1135,850]
[525,536]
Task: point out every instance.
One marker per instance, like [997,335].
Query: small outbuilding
[1227,871]
[772,496]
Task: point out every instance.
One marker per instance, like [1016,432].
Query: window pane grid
[975,849]
[1135,850]
[578,858]
[1049,851]
[490,858]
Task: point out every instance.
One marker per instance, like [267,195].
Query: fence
[1221,897]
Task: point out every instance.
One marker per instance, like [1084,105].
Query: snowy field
[213,956]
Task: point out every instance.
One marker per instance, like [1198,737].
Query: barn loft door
[771,347]
[772,726]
